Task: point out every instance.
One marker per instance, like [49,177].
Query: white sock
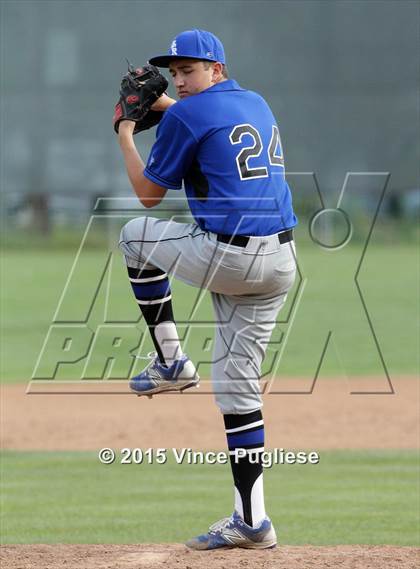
[257,502]
[166,335]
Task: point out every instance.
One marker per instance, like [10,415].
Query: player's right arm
[148,192]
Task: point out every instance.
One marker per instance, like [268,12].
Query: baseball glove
[140,88]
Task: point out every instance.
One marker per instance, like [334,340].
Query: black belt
[242,240]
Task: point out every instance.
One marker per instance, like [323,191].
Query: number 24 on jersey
[255,150]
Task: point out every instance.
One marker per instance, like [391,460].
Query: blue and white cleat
[234,532]
[156,378]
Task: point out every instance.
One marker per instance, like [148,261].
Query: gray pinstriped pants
[248,286]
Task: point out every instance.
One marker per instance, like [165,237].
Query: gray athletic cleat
[156,378]
[234,532]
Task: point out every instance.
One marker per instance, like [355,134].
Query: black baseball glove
[140,88]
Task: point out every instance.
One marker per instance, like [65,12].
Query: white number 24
[253,151]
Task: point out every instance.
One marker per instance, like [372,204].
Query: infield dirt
[329,418]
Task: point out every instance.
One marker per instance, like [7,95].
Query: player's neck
[217,82]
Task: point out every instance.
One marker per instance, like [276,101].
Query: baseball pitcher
[221,143]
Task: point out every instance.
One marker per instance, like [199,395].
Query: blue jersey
[224,144]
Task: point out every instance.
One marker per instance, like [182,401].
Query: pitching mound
[168,556]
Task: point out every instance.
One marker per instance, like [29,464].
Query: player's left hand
[140,88]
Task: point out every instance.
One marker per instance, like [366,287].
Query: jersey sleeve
[172,153]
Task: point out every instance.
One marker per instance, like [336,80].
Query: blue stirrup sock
[153,295]
[245,438]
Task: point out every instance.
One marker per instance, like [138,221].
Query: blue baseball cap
[194,44]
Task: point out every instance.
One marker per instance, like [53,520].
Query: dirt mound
[169,556]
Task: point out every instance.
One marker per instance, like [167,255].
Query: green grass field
[348,498]
[33,281]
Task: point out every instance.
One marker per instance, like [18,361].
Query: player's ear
[217,71]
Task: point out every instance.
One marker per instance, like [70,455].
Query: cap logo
[174,48]
[209,54]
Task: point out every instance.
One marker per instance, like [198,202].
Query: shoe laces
[220,525]
[152,356]
[149,356]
